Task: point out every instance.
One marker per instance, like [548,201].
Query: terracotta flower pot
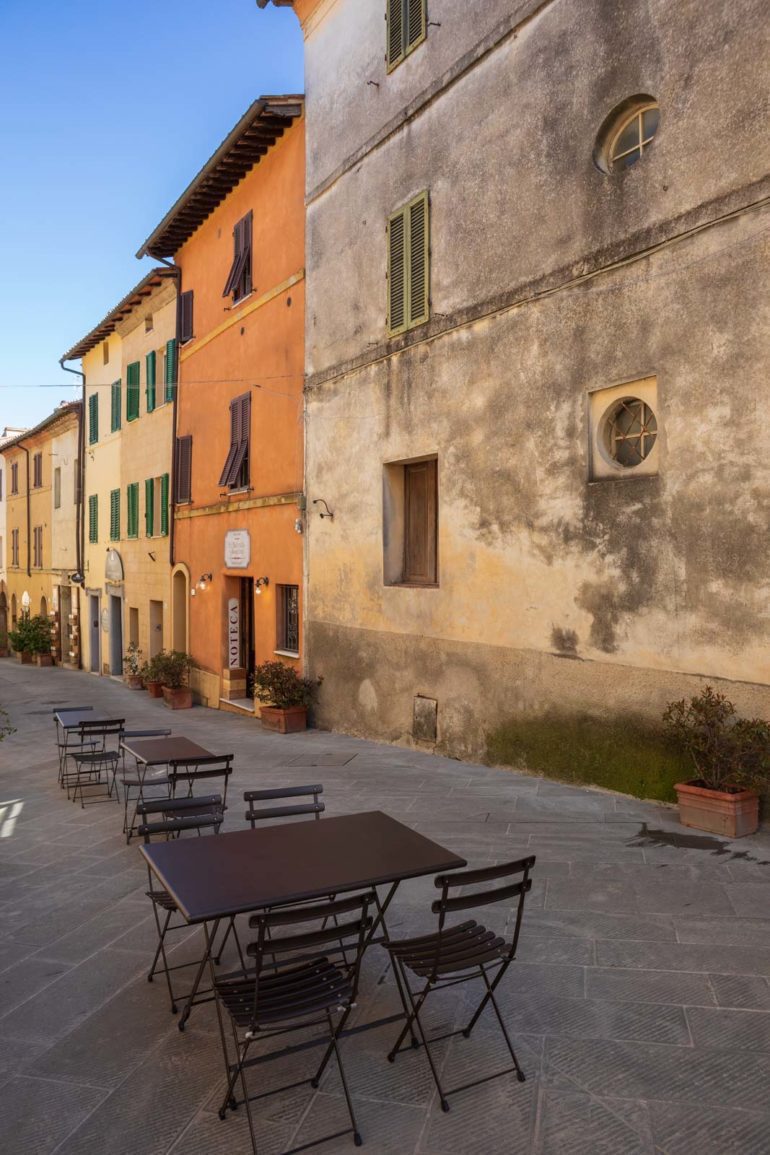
[133,681]
[24,656]
[732,814]
[284,720]
[154,689]
[177,697]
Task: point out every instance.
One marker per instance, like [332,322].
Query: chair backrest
[516,883]
[175,815]
[192,770]
[157,733]
[257,814]
[344,923]
[104,728]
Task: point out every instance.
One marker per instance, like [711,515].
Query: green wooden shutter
[93,518]
[149,504]
[419,259]
[170,381]
[93,418]
[132,510]
[394,17]
[114,515]
[164,504]
[115,413]
[150,367]
[397,272]
[416,23]
[132,391]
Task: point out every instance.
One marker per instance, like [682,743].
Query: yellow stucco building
[129,364]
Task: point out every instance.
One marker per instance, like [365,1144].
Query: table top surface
[71,717]
[158,751]
[219,875]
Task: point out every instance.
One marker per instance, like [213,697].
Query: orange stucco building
[237,236]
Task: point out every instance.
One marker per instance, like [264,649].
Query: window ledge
[287,653]
[412,585]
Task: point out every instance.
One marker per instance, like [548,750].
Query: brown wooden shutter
[186,316]
[184,468]
[420,523]
[240,425]
[418,260]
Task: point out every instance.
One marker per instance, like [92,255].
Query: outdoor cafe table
[248,870]
[150,752]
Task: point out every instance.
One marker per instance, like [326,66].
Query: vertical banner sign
[233,633]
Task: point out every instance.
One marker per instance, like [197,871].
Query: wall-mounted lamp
[204,580]
[320,501]
[259,583]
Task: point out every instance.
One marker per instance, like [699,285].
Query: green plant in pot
[286,696]
[133,667]
[175,676]
[32,639]
[152,675]
[731,757]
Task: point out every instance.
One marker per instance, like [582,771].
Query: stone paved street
[640,1003]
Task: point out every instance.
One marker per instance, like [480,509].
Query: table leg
[206,959]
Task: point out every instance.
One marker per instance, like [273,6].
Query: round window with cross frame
[630,430]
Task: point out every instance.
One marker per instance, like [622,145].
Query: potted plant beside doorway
[152,675]
[132,667]
[286,696]
[731,756]
[174,671]
[31,641]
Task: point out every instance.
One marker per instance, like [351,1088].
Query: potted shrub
[174,670]
[132,667]
[152,675]
[731,757]
[286,696]
[31,640]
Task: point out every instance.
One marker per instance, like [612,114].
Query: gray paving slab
[638,1005]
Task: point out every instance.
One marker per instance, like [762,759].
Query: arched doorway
[43,607]
[180,598]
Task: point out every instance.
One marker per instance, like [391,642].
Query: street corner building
[236,236]
[129,364]
[537,341]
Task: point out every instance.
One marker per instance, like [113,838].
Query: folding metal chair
[296,810]
[139,778]
[67,740]
[458,954]
[170,818]
[95,757]
[298,988]
[186,772]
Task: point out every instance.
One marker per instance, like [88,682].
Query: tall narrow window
[93,418]
[57,488]
[37,470]
[420,523]
[170,370]
[93,517]
[132,391]
[132,510]
[14,477]
[239,281]
[149,506]
[407,26]
[115,408]
[162,488]
[186,316]
[114,515]
[235,474]
[150,365]
[37,547]
[409,266]
[183,480]
[288,619]
[14,547]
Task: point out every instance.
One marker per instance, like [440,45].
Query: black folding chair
[140,778]
[171,818]
[298,988]
[67,739]
[457,954]
[256,814]
[98,754]
[185,772]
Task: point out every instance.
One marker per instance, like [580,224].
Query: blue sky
[107,110]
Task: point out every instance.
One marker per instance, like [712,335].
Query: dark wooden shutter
[149,507]
[394,16]
[150,368]
[418,280]
[416,23]
[93,418]
[244,287]
[186,316]
[397,272]
[117,405]
[183,483]
[235,437]
[93,518]
[171,375]
[164,504]
[115,515]
[132,391]
[420,523]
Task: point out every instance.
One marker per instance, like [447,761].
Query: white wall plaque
[233,633]
[113,566]
[237,549]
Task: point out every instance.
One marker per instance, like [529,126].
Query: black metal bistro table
[149,753]
[248,870]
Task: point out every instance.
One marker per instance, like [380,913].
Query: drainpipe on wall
[80,521]
[178,329]
[29,517]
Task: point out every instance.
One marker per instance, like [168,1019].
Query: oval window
[630,432]
[627,134]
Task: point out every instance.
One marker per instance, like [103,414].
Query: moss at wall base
[624,754]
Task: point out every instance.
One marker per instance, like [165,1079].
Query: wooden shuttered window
[37,547]
[235,474]
[407,26]
[37,470]
[170,378]
[239,280]
[93,418]
[15,477]
[409,266]
[421,523]
[164,505]
[150,371]
[183,467]
[132,391]
[132,510]
[149,506]
[186,316]
[115,406]
[114,515]
[93,518]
